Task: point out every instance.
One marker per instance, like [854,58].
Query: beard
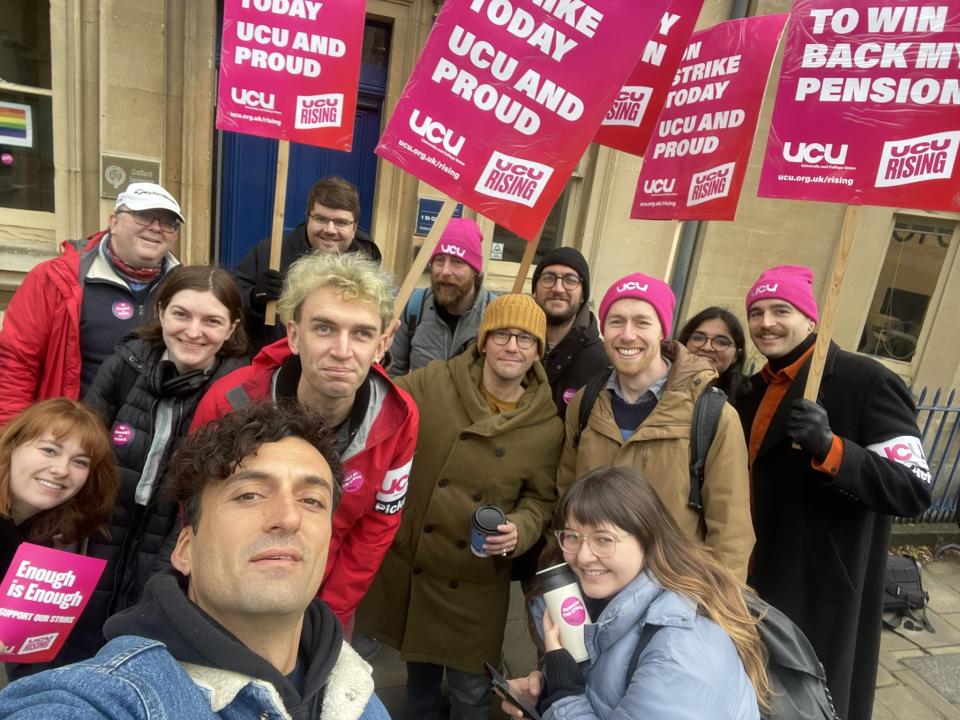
[448,294]
[556,319]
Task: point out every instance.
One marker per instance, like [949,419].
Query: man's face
[260,547]
[777,327]
[451,279]
[139,238]
[631,336]
[510,361]
[559,303]
[337,340]
[330,230]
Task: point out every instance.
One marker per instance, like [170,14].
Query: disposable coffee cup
[567,609]
[484,524]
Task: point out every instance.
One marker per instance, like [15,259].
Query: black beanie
[570,257]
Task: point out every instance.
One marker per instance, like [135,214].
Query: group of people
[257,516]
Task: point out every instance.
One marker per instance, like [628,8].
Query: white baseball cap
[148,196]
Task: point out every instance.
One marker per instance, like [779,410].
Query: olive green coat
[660,447]
[433,599]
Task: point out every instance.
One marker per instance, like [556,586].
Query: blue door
[248,164]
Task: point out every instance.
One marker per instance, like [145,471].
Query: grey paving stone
[884,678]
[904,704]
[944,598]
[941,672]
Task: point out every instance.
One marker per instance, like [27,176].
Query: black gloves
[809,426]
[268,287]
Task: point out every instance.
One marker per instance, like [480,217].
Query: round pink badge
[568,395]
[573,611]
[122,310]
[122,434]
[353,481]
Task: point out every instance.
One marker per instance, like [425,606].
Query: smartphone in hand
[500,684]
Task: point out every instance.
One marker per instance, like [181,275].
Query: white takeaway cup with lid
[567,609]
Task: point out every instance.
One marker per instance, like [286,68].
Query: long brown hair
[201,278]
[90,508]
[623,498]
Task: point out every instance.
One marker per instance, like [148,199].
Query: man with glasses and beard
[67,316]
[561,287]
[439,322]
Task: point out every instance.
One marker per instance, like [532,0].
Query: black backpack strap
[590,392]
[414,310]
[646,635]
[706,418]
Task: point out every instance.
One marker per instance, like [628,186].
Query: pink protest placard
[629,122]
[694,165]
[868,105]
[289,69]
[507,95]
[41,597]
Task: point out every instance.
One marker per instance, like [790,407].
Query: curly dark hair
[212,453]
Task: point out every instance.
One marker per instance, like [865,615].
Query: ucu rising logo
[765,288]
[710,184]
[317,111]
[659,186]
[928,157]
[513,178]
[815,153]
[633,285]
[253,98]
[453,250]
[436,133]
[629,107]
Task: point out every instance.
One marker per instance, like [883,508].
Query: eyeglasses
[145,218]
[525,341]
[719,342]
[571,281]
[602,544]
[340,223]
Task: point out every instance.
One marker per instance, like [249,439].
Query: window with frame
[26,107]
[915,258]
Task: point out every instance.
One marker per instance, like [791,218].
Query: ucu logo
[765,288]
[436,133]
[518,169]
[253,98]
[633,285]
[920,148]
[659,185]
[815,153]
[453,250]
[320,101]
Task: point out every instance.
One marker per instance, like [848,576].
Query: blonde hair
[622,497]
[351,275]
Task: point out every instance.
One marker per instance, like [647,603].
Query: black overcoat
[821,540]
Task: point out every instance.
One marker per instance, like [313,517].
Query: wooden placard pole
[838,269]
[528,252]
[426,250]
[672,257]
[276,232]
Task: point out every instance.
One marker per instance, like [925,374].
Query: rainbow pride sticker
[16,124]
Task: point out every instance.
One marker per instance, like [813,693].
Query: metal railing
[939,422]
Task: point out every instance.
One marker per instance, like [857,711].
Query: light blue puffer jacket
[690,670]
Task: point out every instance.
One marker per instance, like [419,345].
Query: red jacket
[40,340]
[376,467]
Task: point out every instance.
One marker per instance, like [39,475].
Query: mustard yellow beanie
[514,311]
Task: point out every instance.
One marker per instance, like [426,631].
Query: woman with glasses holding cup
[671,636]
[716,335]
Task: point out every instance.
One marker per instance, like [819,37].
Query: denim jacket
[133,678]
